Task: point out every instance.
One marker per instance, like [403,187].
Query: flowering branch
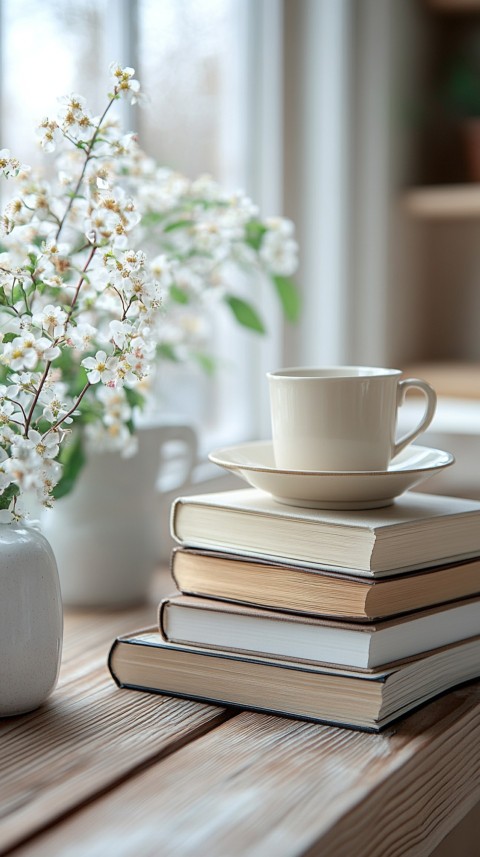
[72,409]
[88,154]
[85,314]
[79,285]
[36,397]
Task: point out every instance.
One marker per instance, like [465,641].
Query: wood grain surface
[261,785]
[89,736]
[100,771]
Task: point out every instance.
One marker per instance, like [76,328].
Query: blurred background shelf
[447,202]
[456,424]
[453,6]
[452,380]
[435,257]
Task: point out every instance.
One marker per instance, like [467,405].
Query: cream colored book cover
[416,531]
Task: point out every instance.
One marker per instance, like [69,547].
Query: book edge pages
[376,725]
[223,607]
[367,571]
[368,589]
[143,636]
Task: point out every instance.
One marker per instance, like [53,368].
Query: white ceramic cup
[341,418]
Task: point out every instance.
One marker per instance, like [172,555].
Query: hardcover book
[417,531]
[302,589]
[208,623]
[365,700]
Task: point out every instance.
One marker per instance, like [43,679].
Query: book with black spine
[368,699]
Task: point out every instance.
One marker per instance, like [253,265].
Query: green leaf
[90,412]
[152,218]
[178,295]
[255,231]
[42,426]
[134,398]
[75,376]
[167,352]
[289,297]
[73,459]
[8,495]
[179,224]
[206,361]
[245,313]
[65,361]
[17,293]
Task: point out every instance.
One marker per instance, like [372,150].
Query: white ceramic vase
[105,532]
[31,619]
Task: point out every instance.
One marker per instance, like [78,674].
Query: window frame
[294,126]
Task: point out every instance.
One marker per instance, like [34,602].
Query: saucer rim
[214,457]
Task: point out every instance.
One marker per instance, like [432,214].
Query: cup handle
[427,418]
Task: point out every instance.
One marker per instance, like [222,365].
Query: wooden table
[103,771]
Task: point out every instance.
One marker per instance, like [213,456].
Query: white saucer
[331,489]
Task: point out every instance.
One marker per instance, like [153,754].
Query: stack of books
[352,618]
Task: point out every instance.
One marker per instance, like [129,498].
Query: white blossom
[10,165]
[99,368]
[25,382]
[74,119]
[9,412]
[23,468]
[47,134]
[45,446]
[124,82]
[50,476]
[120,332]
[115,404]
[81,336]
[52,319]
[114,437]
[5,477]
[56,406]
[279,251]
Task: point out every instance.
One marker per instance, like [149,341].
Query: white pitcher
[104,534]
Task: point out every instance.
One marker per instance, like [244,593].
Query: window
[195,63]
[253,91]
[49,48]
